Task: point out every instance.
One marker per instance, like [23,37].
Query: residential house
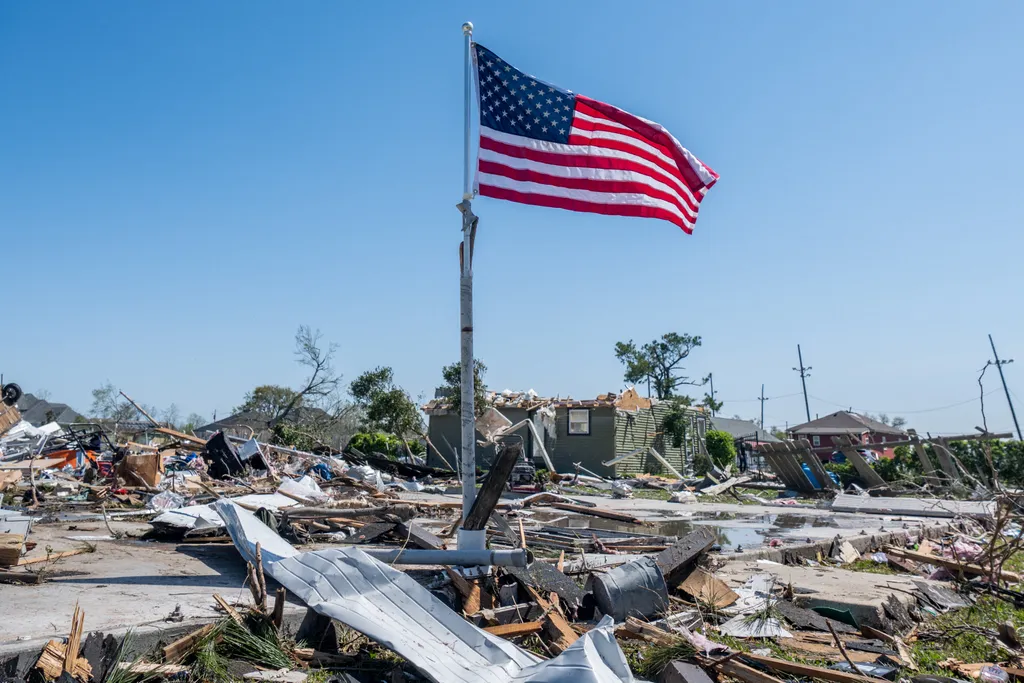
[589,432]
[859,428]
[38,412]
[746,435]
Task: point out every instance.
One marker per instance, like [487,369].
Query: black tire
[11,394]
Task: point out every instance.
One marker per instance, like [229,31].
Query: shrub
[720,447]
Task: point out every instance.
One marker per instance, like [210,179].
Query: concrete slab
[124,583]
[861,593]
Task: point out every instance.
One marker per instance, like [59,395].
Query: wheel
[11,394]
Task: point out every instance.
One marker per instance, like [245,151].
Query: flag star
[490,64]
[505,83]
[550,89]
[566,108]
[544,129]
[529,111]
[530,96]
[511,105]
[515,77]
[562,131]
[559,98]
[522,87]
[546,114]
[527,126]
[504,98]
[536,120]
[565,118]
[508,68]
[533,82]
[549,100]
[520,117]
[490,108]
[489,79]
[521,102]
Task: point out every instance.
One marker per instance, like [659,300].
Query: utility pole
[804,374]
[762,400]
[711,379]
[999,366]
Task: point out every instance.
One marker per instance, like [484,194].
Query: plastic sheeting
[391,608]
[205,517]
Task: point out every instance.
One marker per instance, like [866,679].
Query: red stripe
[623,186]
[584,206]
[620,146]
[584,160]
[693,181]
[609,128]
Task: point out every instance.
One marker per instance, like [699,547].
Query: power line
[804,374]
[906,412]
[751,400]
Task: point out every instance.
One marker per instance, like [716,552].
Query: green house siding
[449,426]
[643,430]
[589,450]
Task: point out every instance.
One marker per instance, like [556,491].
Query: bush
[720,447]
[903,467]
[1007,460]
[381,442]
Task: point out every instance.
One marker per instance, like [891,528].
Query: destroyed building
[590,432]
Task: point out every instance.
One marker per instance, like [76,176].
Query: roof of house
[35,411]
[258,422]
[529,400]
[743,429]
[845,422]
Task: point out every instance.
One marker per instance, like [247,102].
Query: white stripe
[586,150]
[628,139]
[606,121]
[597,174]
[623,198]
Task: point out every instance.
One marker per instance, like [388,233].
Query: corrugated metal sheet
[643,429]
[391,608]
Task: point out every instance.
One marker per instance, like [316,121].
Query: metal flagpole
[468,540]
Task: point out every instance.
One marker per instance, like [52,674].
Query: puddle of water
[731,529]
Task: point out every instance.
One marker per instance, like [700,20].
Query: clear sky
[183,184]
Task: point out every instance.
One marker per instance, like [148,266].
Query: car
[869,456]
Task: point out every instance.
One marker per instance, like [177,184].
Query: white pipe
[463,558]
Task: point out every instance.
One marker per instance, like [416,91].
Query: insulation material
[391,608]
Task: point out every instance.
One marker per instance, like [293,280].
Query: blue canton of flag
[516,103]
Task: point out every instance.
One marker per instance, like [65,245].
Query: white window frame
[578,429]
[816,441]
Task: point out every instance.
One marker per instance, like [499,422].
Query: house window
[883,439]
[816,441]
[579,421]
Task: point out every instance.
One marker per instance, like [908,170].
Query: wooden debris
[677,559]
[417,536]
[742,672]
[183,646]
[151,668]
[648,632]
[51,557]
[488,495]
[560,633]
[20,577]
[807,671]
[514,630]
[684,672]
[277,614]
[74,640]
[51,662]
[231,611]
[11,546]
[708,589]
[598,512]
[952,565]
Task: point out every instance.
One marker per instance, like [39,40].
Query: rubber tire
[12,393]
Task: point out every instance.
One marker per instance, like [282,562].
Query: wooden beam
[872,478]
[231,611]
[514,630]
[489,494]
[598,512]
[952,565]
[808,671]
[182,646]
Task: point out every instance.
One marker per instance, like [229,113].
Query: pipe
[464,558]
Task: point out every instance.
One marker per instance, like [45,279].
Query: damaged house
[590,432]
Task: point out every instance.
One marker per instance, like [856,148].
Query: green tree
[721,447]
[386,406]
[452,377]
[269,400]
[658,362]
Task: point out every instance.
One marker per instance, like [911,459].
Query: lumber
[182,646]
[515,630]
[808,671]
[597,512]
[231,611]
[560,633]
[742,672]
[489,494]
[952,565]
[675,560]
[10,549]
[54,556]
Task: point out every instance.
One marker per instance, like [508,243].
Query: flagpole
[468,539]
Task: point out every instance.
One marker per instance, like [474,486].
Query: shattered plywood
[707,589]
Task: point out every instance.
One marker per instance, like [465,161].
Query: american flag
[540,144]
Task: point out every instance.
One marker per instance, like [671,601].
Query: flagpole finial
[467,28]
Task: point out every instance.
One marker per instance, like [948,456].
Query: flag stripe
[637,210]
[588,197]
[597,179]
[582,157]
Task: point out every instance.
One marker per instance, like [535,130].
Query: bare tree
[322,381]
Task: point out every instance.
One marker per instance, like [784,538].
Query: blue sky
[183,184]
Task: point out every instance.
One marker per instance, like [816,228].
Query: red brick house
[859,428]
